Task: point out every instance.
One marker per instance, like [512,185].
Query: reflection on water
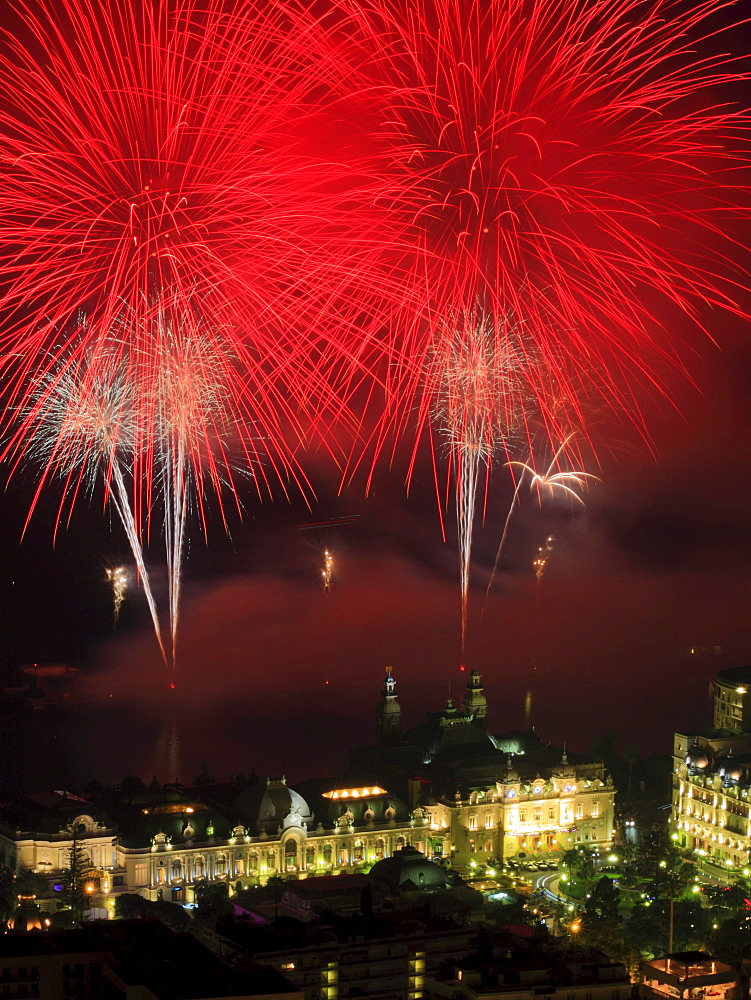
[70,746]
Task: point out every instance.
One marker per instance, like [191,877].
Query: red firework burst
[152,167]
[571,165]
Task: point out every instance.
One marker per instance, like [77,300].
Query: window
[120,879]
[290,853]
[327,853]
[271,859]
[488,846]
[522,815]
[199,868]
[473,822]
[488,821]
[240,866]
[358,852]
[161,875]
[379,846]
[551,813]
[253,861]
[140,874]
[177,869]
[596,808]
[343,855]
[579,810]
[221,864]
[310,856]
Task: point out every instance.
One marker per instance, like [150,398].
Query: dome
[697,759]
[729,769]
[274,805]
[409,869]
[449,735]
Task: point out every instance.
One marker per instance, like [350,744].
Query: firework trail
[551,482]
[568,164]
[118,579]
[477,385]
[193,430]
[78,426]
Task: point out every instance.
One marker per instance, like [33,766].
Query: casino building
[711,801]
[447,788]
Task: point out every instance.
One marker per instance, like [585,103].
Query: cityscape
[374,408]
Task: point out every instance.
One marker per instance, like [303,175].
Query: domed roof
[407,869]
[697,759]
[451,735]
[273,806]
[729,769]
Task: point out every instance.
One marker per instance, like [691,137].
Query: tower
[388,713]
[474,701]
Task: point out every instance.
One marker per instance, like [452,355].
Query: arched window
[343,855]
[310,857]
[177,869]
[400,842]
[161,874]
[271,859]
[199,868]
[379,848]
[240,866]
[253,861]
[290,852]
[357,858]
[221,864]
[327,853]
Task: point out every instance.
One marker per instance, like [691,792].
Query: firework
[551,482]
[476,382]
[328,568]
[118,579]
[151,159]
[78,427]
[567,163]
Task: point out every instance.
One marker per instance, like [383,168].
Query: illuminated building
[711,807]
[447,788]
[688,974]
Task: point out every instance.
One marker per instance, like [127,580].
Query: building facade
[711,798]
[448,788]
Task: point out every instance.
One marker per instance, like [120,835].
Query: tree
[73,895]
[601,923]
[132,787]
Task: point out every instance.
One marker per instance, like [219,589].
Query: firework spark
[551,482]
[477,386]
[118,578]
[77,426]
[328,569]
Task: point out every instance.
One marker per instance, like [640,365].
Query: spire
[474,702]
[388,713]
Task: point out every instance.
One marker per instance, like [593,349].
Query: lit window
[488,821]
[473,822]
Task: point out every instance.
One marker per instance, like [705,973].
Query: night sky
[645,596]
